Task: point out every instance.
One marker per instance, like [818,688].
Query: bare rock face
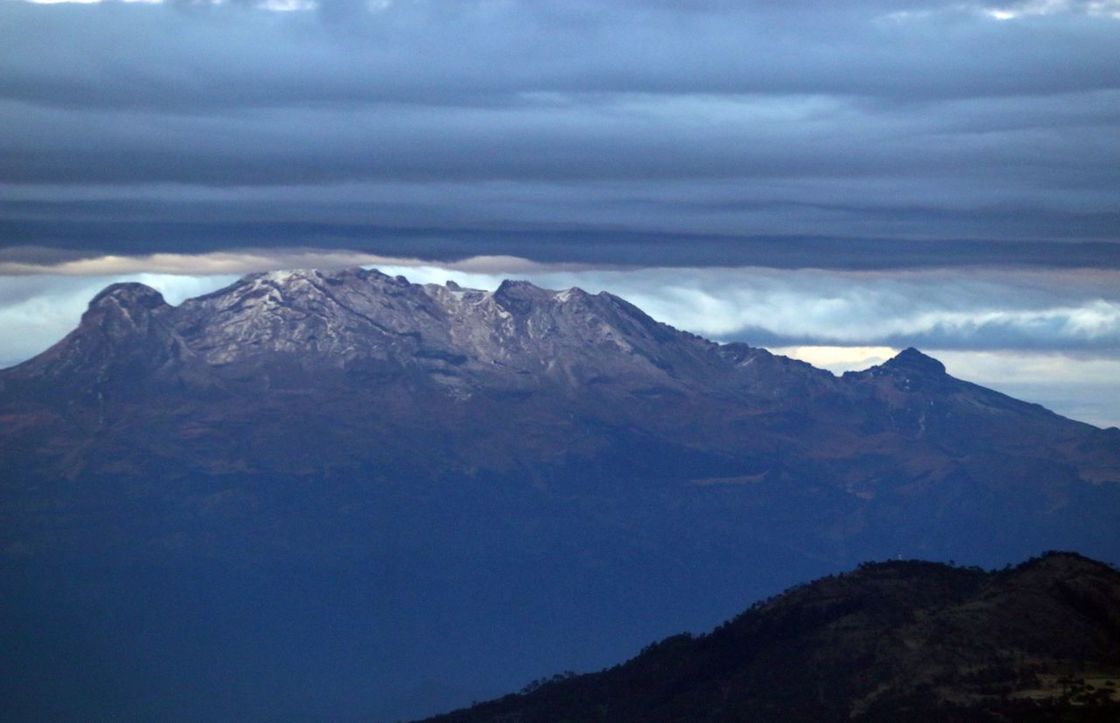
[357,317]
[124,306]
[121,320]
[126,331]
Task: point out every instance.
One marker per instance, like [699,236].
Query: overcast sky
[863,174]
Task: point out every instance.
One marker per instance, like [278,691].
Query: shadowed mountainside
[891,641]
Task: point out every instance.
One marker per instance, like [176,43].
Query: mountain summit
[367,455]
[910,359]
[573,369]
[360,319]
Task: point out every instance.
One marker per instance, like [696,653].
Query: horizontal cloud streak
[974,309]
[459,53]
[232,262]
[854,120]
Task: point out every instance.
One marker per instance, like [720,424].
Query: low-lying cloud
[977,308]
[965,309]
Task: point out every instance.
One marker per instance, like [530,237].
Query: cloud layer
[979,308]
[440,125]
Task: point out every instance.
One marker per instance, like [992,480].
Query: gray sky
[542,127]
[795,173]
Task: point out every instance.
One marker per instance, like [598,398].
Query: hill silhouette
[888,642]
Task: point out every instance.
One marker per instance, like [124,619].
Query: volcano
[332,487]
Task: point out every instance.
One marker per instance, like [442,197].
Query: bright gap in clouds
[839,359]
[1051,337]
[1032,8]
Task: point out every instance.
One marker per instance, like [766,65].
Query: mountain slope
[443,357]
[890,641]
[400,467]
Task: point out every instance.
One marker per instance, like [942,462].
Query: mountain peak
[912,360]
[125,325]
[128,295]
[520,288]
[520,296]
[123,309]
[283,276]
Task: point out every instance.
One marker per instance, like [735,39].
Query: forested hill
[888,642]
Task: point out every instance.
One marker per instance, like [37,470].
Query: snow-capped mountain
[423,472]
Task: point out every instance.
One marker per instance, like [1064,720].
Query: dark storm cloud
[546,128]
[473,53]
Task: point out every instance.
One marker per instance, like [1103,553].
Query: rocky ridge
[358,318]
